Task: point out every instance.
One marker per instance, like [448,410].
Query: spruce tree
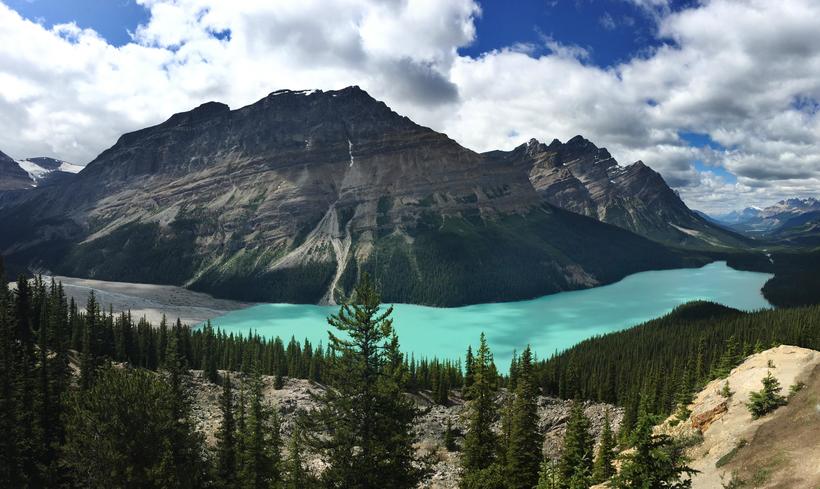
[226,438]
[183,463]
[726,390]
[655,461]
[767,399]
[442,394]
[297,476]
[260,460]
[603,468]
[548,475]
[209,360]
[575,465]
[728,360]
[468,371]
[10,463]
[524,446]
[480,449]
[117,434]
[366,413]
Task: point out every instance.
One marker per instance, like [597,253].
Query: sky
[720,96]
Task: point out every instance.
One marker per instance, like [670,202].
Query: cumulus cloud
[745,72]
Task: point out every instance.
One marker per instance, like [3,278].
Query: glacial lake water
[549,323]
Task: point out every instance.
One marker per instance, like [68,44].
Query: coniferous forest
[94,398]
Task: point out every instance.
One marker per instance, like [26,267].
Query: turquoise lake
[548,323]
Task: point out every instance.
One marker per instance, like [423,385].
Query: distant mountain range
[293,197]
[33,172]
[796,221]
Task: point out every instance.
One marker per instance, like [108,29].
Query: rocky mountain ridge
[582,178]
[291,198]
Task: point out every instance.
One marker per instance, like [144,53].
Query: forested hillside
[661,362]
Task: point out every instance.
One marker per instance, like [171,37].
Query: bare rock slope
[778,450]
[297,396]
[583,178]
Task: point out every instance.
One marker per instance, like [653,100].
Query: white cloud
[746,72]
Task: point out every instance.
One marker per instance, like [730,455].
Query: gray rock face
[12,177]
[291,198]
[582,178]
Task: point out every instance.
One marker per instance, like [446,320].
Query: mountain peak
[580,141]
[205,111]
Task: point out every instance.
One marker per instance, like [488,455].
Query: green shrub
[767,399]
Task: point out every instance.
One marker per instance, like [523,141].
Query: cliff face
[582,178]
[291,198]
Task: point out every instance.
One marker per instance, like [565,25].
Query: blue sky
[611,30]
[521,69]
[113,19]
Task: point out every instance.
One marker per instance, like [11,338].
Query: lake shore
[148,300]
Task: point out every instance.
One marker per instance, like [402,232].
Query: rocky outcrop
[298,395]
[12,177]
[580,177]
[291,198]
[779,449]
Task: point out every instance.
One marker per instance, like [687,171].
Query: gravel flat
[149,300]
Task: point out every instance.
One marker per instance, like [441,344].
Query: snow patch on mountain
[38,172]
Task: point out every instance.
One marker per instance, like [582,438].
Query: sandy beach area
[149,300]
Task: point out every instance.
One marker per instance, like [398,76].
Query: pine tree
[767,399]
[226,438]
[367,414]
[524,446]
[603,467]
[575,465]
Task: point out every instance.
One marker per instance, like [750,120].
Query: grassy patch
[731,454]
